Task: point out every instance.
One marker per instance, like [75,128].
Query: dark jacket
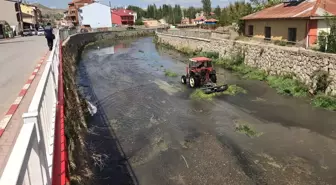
[48,31]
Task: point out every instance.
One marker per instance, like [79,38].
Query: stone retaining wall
[278,60]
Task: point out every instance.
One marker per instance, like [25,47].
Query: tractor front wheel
[183,79]
[194,82]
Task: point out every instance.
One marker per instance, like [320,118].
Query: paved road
[18,58]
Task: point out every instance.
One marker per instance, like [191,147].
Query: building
[95,15]
[211,21]
[31,16]
[199,20]
[294,21]
[185,21]
[10,12]
[73,10]
[123,17]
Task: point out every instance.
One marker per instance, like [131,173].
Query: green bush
[212,55]
[238,59]
[186,51]
[223,62]
[230,63]
[322,40]
[287,86]
[322,81]
[256,74]
[324,101]
[139,22]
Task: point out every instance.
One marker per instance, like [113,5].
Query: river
[149,131]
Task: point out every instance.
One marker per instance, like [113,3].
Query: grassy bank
[285,85]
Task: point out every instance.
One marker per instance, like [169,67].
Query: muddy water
[152,133]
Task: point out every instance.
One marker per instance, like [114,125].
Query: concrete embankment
[75,106]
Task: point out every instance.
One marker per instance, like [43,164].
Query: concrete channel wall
[75,107]
[277,60]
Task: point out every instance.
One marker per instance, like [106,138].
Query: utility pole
[110,4]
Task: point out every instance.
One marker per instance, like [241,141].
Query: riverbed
[149,131]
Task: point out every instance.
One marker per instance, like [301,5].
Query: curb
[8,116]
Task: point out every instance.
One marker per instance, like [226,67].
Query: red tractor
[201,74]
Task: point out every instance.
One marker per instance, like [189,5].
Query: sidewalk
[18,59]
[8,138]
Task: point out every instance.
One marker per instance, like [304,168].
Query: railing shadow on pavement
[117,169]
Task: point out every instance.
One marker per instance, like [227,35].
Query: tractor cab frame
[199,72]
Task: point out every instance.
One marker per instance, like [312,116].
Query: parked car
[27,32]
[40,32]
[34,32]
[84,30]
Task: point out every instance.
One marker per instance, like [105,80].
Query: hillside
[48,11]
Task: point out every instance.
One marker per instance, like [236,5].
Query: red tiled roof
[325,5]
[122,12]
[80,1]
[298,9]
[200,18]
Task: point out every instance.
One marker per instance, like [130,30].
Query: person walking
[48,31]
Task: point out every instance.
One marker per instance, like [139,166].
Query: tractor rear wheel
[183,79]
[194,82]
[213,78]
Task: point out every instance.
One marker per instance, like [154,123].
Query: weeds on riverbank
[170,73]
[324,101]
[287,86]
[284,85]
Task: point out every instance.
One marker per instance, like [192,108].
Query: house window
[250,30]
[292,34]
[268,33]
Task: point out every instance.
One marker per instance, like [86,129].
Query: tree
[218,11]
[262,4]
[191,12]
[234,12]
[177,14]
[223,19]
[206,6]
[141,13]
[327,40]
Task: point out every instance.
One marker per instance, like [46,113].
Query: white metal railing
[31,159]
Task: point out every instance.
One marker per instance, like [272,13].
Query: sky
[140,3]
